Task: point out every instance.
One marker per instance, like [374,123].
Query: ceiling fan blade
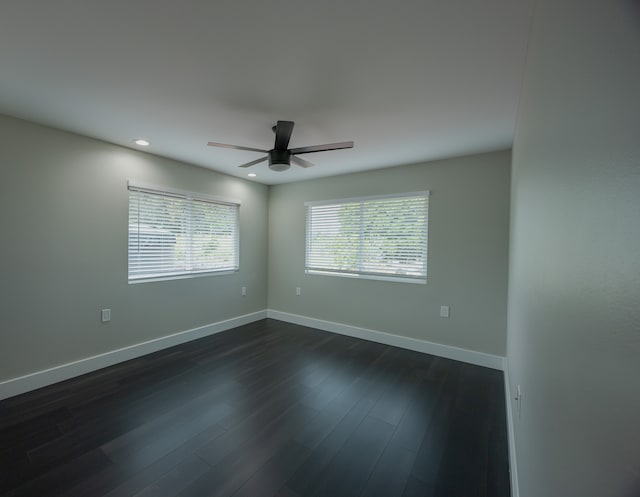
[321,148]
[237,147]
[301,162]
[254,162]
[283,134]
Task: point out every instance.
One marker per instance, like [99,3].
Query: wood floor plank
[174,481]
[389,477]
[332,413]
[236,468]
[268,480]
[433,445]
[127,477]
[351,467]
[415,488]
[306,479]
[163,439]
[64,476]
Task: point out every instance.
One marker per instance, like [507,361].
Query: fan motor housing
[279,160]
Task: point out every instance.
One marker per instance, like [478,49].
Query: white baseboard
[447,351]
[26,383]
[513,465]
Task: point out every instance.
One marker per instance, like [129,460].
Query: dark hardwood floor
[267,409]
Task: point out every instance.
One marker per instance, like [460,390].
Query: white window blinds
[372,236]
[173,233]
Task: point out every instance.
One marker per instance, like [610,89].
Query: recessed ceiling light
[252,175]
[142,142]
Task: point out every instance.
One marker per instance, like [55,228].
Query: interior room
[503,361]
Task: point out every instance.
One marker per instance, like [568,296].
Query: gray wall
[467,265]
[63,256]
[574,291]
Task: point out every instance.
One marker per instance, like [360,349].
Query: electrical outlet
[243,290]
[298,291]
[105,315]
[444,311]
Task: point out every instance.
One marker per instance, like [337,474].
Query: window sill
[152,279]
[395,279]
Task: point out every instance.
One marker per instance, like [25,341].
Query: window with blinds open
[174,233]
[383,237]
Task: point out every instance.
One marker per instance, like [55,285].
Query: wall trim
[32,381]
[513,465]
[447,351]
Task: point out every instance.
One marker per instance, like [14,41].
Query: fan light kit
[280,156]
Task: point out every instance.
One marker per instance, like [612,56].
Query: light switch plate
[105,315]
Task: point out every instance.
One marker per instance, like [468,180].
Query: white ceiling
[407,81]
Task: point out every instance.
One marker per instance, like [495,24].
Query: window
[382,237]
[174,233]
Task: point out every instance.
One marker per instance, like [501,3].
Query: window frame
[189,197]
[382,276]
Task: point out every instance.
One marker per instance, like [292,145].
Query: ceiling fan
[280,157]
